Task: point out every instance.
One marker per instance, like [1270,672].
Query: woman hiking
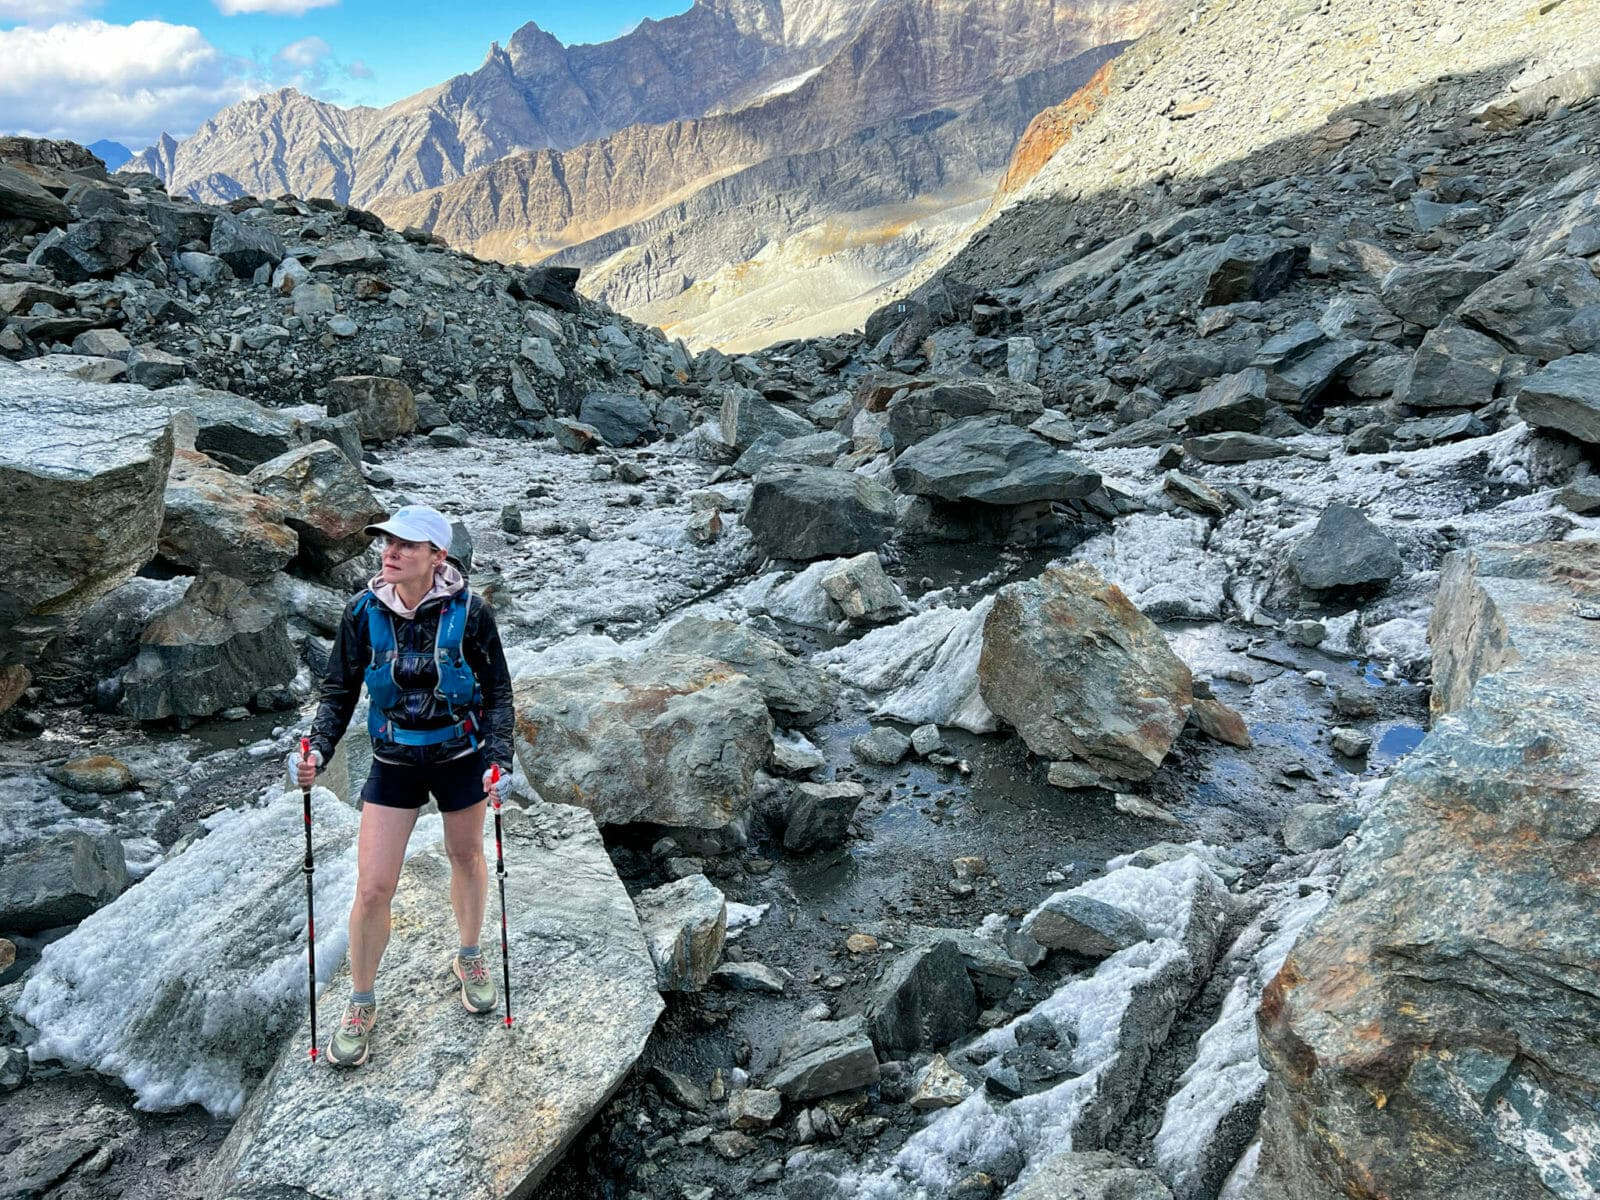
[441,717]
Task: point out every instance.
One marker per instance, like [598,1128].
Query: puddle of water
[1398,740]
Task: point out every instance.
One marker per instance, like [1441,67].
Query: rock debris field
[1085,735]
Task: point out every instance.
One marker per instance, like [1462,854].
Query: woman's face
[409,565]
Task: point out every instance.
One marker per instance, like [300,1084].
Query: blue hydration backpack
[457,687]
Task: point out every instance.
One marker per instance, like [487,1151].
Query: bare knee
[373,895]
[466,859]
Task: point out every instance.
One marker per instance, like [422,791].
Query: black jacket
[347,664]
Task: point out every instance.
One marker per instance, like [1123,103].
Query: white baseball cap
[416,523]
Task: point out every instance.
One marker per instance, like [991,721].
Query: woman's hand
[303,771]
[491,785]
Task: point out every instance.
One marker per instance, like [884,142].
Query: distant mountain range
[688,146]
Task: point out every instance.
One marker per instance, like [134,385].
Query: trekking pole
[500,873]
[307,868]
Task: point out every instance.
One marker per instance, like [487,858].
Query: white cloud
[88,79]
[307,52]
[35,11]
[357,69]
[281,8]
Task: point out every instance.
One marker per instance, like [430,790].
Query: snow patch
[928,663]
[1161,564]
[185,985]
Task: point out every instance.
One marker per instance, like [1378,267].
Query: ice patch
[1402,641]
[1120,1013]
[1192,1147]
[798,599]
[186,984]
[744,916]
[927,663]
[577,651]
[1341,633]
[1160,562]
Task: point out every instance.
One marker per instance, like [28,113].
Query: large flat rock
[453,1105]
[83,468]
[1436,1033]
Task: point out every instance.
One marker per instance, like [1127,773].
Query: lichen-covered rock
[1082,674]
[672,739]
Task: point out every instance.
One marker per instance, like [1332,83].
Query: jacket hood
[447,581]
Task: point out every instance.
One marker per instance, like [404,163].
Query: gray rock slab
[991,461]
[824,1057]
[452,1105]
[1528,308]
[818,815]
[58,878]
[1223,448]
[1083,926]
[1564,397]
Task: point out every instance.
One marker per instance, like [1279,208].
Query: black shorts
[456,784]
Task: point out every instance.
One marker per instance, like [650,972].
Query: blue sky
[131,69]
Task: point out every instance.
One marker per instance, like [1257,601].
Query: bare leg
[380,853]
[469,873]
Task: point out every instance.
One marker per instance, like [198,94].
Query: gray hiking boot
[352,1043]
[477,985]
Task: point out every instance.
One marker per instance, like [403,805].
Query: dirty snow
[1161,564]
[185,986]
[928,664]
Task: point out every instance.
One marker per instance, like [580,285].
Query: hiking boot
[477,985]
[352,1043]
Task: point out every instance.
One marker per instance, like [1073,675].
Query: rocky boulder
[620,419]
[58,878]
[746,415]
[924,1000]
[671,739]
[1454,973]
[862,592]
[798,693]
[1455,367]
[1302,362]
[385,408]
[99,246]
[815,512]
[1083,926]
[217,648]
[452,1107]
[83,469]
[922,412]
[239,433]
[22,198]
[990,461]
[213,521]
[245,248]
[818,815]
[1344,551]
[1235,402]
[1528,308]
[821,1058]
[324,499]
[684,923]
[1247,267]
[1082,674]
[1564,397]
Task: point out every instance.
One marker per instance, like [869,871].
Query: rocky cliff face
[816,112]
[532,93]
